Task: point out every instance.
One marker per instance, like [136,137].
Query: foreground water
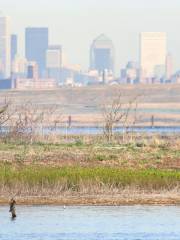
[91,223]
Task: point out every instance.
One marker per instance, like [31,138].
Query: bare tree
[31,119]
[25,121]
[118,113]
[6,113]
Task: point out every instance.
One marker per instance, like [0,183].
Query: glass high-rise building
[54,62]
[5,47]
[102,54]
[153,52]
[13,46]
[36,45]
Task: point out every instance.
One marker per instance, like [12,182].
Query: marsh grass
[144,153]
[89,166]
[79,179]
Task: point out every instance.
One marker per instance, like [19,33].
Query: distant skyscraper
[153,51]
[54,56]
[102,54]
[54,62]
[5,47]
[13,47]
[36,46]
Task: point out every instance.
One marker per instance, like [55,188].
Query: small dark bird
[12,209]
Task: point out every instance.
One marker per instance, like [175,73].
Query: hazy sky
[75,23]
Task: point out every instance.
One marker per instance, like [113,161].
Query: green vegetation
[52,169]
[74,178]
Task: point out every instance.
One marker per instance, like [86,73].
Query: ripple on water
[91,223]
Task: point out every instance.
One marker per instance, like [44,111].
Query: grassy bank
[91,172]
[74,177]
[40,180]
[151,153]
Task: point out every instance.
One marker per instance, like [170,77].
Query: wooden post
[69,121]
[152,121]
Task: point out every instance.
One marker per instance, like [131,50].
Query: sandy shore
[97,200]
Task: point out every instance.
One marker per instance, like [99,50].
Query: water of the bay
[91,223]
[163,130]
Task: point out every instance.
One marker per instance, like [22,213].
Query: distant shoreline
[96,200]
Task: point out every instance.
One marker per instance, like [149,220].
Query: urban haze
[89,120]
[122,21]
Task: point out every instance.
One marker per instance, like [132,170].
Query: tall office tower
[153,51]
[102,54]
[13,47]
[5,47]
[54,62]
[169,66]
[54,56]
[36,45]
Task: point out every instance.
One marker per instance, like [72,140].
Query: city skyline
[154,64]
[124,23]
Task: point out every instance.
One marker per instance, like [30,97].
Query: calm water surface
[91,223]
[100,130]
[81,130]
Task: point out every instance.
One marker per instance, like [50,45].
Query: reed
[77,179]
